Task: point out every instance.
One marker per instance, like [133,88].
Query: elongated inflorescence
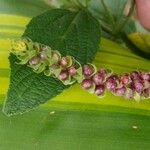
[41,58]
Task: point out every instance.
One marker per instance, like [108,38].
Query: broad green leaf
[28,89]
[70,33]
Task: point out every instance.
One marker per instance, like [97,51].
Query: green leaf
[72,33]
[112,18]
[28,89]
[115,7]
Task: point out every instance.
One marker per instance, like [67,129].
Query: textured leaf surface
[71,34]
[28,89]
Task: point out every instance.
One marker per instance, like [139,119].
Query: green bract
[42,58]
[132,85]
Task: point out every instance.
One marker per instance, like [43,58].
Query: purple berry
[88,70]
[72,70]
[98,79]
[125,79]
[135,75]
[64,62]
[111,82]
[138,86]
[111,85]
[63,75]
[100,76]
[145,76]
[99,90]
[103,72]
[87,83]
[34,60]
[114,77]
[120,91]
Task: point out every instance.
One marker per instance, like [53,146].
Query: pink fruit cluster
[63,68]
[134,85]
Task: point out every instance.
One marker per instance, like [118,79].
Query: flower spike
[41,58]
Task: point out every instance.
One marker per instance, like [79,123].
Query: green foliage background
[74,120]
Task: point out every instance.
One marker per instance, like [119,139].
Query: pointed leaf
[71,33]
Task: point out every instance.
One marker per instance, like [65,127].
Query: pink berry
[120,91]
[125,79]
[138,86]
[34,60]
[63,75]
[72,71]
[99,90]
[87,83]
[111,85]
[98,78]
[88,70]
[145,76]
[43,56]
[111,82]
[135,75]
[64,62]
[114,77]
[103,72]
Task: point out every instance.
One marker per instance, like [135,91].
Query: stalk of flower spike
[41,58]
